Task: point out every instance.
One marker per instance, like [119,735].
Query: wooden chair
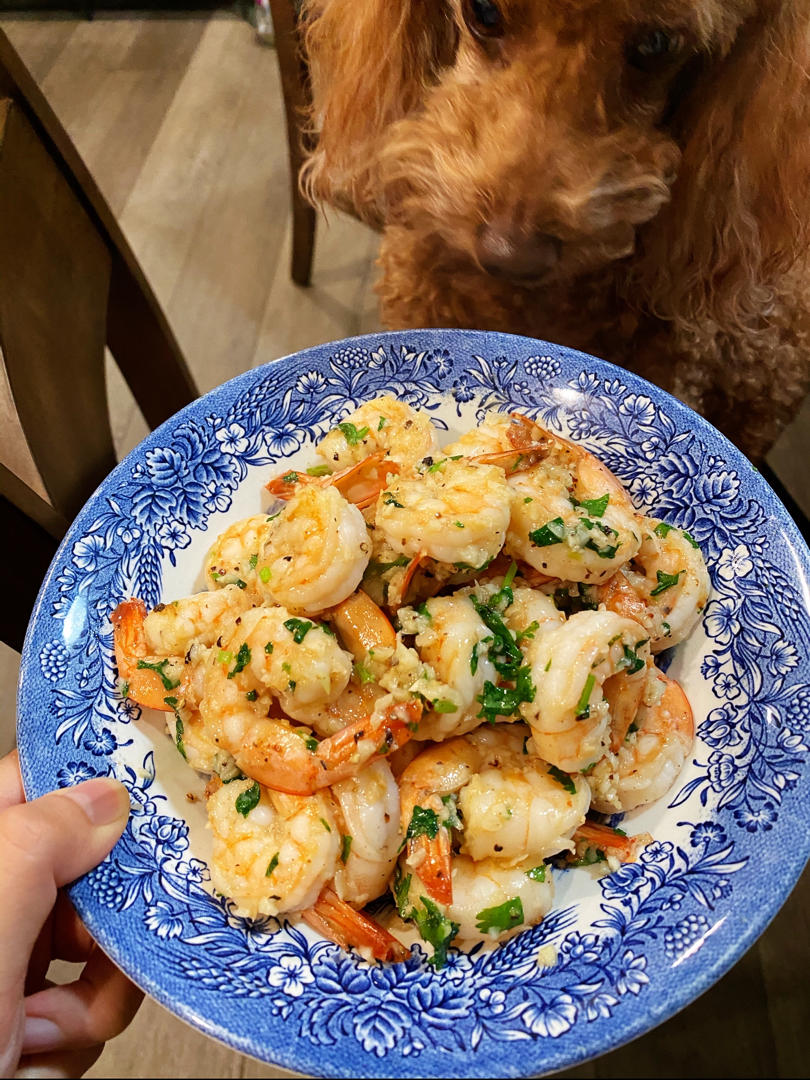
[69,286]
[295,86]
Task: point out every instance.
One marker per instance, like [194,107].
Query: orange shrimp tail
[517,460]
[145,687]
[612,843]
[387,732]
[359,484]
[432,860]
[339,922]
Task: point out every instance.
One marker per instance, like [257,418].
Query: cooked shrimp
[648,762]
[233,557]
[273,853]
[316,552]
[452,638]
[404,434]
[498,435]
[664,587]
[570,517]
[359,484]
[367,809]
[251,671]
[453,512]
[338,921]
[511,805]
[492,901]
[569,715]
[151,650]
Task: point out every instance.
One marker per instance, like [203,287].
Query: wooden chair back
[69,287]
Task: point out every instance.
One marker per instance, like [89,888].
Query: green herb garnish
[352,434]
[299,628]
[537,873]
[318,470]
[553,532]
[594,507]
[248,799]
[583,707]
[436,929]
[563,779]
[168,684]
[271,865]
[665,581]
[242,660]
[503,917]
[444,705]
[424,822]
[389,500]
[346,847]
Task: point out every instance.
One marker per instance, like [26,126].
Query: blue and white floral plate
[627,950]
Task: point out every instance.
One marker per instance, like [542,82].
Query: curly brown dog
[628,177]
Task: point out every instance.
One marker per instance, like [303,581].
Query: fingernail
[40,1035]
[103,800]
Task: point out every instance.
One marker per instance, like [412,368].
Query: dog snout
[505,251]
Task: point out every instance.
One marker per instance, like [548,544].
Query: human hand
[48,1030]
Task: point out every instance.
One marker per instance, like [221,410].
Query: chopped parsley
[318,470]
[289,478]
[583,706]
[537,873]
[240,584]
[269,647]
[553,532]
[389,500]
[436,929]
[473,658]
[382,423]
[665,581]
[589,856]
[505,700]
[253,560]
[594,507]
[352,434]
[248,799]
[424,822]
[444,705]
[424,612]
[452,819]
[688,536]
[363,673]
[563,779]
[460,525]
[596,543]
[529,632]
[242,660]
[251,695]
[662,529]
[402,885]
[160,668]
[271,865]
[631,661]
[346,847]
[299,628]
[503,917]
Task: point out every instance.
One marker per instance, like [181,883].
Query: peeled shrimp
[273,853]
[383,424]
[233,557]
[511,805]
[650,758]
[570,715]
[367,808]
[452,639]
[453,512]
[664,587]
[316,552]
[152,649]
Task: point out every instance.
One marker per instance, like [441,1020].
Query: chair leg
[303,239]
[295,86]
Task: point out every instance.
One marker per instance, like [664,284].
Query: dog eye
[483,18]
[654,49]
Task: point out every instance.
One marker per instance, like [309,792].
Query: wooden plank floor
[180,121]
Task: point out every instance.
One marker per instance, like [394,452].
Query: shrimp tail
[611,842]
[336,920]
[432,860]
[144,685]
[359,484]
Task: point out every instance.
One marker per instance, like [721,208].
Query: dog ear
[371,61]
[740,212]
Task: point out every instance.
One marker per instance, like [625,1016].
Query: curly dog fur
[628,177]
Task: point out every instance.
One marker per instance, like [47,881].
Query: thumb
[45,844]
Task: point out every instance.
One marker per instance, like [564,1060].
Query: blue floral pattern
[561,990]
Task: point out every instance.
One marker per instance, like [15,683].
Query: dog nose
[505,252]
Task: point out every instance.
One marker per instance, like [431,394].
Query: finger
[70,939]
[40,959]
[11,788]
[43,845]
[57,1066]
[95,1008]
